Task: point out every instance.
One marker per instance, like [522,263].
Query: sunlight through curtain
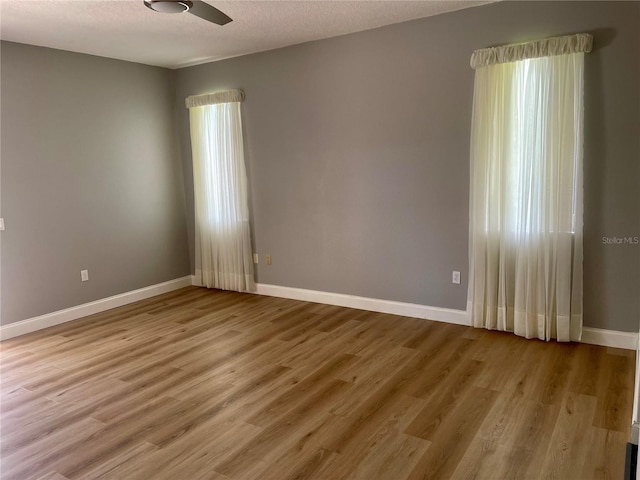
[223,255]
[526,188]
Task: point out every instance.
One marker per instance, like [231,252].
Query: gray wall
[90,179]
[358,153]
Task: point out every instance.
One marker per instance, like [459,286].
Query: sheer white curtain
[526,189]
[223,254]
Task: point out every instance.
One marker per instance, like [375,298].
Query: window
[222,232]
[526,188]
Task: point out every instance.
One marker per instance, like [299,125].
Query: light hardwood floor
[202,384]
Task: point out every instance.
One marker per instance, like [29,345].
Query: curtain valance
[228,96]
[579,43]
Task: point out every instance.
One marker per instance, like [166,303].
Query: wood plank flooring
[204,384]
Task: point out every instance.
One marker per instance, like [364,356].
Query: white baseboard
[635,433]
[610,338]
[595,336]
[61,316]
[438,314]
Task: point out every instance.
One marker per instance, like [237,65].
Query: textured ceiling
[127,30]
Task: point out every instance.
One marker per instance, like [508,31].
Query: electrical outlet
[267,259]
[1,224]
[255,258]
[84,275]
[456,278]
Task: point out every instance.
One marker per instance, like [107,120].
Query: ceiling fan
[195,7]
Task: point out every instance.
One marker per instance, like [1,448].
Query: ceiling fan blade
[209,13]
